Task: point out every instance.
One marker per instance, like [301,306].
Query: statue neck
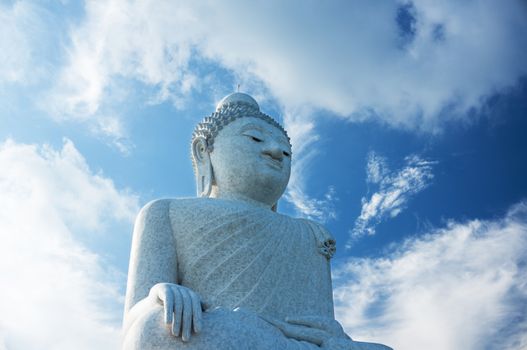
[215,193]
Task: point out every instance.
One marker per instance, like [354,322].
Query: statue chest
[269,264]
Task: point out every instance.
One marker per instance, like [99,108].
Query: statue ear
[204,174]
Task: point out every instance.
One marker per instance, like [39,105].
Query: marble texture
[226,271]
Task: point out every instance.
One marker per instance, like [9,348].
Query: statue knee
[222,330]
[148,331]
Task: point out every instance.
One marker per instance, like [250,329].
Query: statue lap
[222,330]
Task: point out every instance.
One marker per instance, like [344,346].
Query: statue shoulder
[325,242]
[152,222]
[165,206]
[314,226]
[173,214]
[157,207]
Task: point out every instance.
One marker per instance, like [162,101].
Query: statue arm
[153,255]
[152,275]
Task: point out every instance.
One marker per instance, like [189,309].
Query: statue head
[241,153]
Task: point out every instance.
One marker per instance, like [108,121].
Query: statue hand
[182,308]
[325,332]
[313,329]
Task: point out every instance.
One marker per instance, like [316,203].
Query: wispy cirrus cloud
[393,190]
[301,130]
[460,287]
[57,293]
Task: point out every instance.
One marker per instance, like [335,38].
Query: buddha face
[251,160]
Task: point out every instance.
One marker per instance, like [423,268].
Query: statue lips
[273,163]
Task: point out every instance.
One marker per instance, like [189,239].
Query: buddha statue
[225,270]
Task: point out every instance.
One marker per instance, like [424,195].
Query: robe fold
[235,256]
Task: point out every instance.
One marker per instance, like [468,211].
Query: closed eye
[287,154]
[256,139]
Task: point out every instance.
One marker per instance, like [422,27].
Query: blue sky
[408,126]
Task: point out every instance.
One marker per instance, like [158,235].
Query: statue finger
[186,324]
[275,322]
[312,335]
[178,311]
[298,332]
[196,312]
[324,323]
[168,303]
[308,321]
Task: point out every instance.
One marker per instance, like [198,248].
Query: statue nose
[274,151]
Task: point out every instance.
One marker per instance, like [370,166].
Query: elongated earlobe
[204,174]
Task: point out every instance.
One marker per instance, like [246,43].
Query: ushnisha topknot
[232,107]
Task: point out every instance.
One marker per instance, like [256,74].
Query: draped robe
[237,256]
[248,264]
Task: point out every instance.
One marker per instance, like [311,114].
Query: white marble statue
[225,270]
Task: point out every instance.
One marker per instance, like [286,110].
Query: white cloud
[148,41]
[25,34]
[56,293]
[394,190]
[303,137]
[14,43]
[345,58]
[460,287]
